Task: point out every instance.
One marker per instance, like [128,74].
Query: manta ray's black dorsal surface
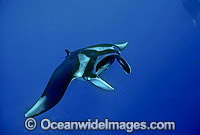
[192,7]
[85,64]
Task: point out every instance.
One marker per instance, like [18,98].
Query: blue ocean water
[163,52]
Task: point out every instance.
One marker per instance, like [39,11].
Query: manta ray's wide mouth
[104,64]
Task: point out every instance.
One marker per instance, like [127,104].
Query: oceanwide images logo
[47,124]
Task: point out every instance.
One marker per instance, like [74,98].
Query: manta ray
[192,7]
[84,64]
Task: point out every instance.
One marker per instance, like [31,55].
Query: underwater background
[163,52]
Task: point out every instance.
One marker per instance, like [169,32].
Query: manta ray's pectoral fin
[54,91]
[97,81]
[38,108]
[124,64]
